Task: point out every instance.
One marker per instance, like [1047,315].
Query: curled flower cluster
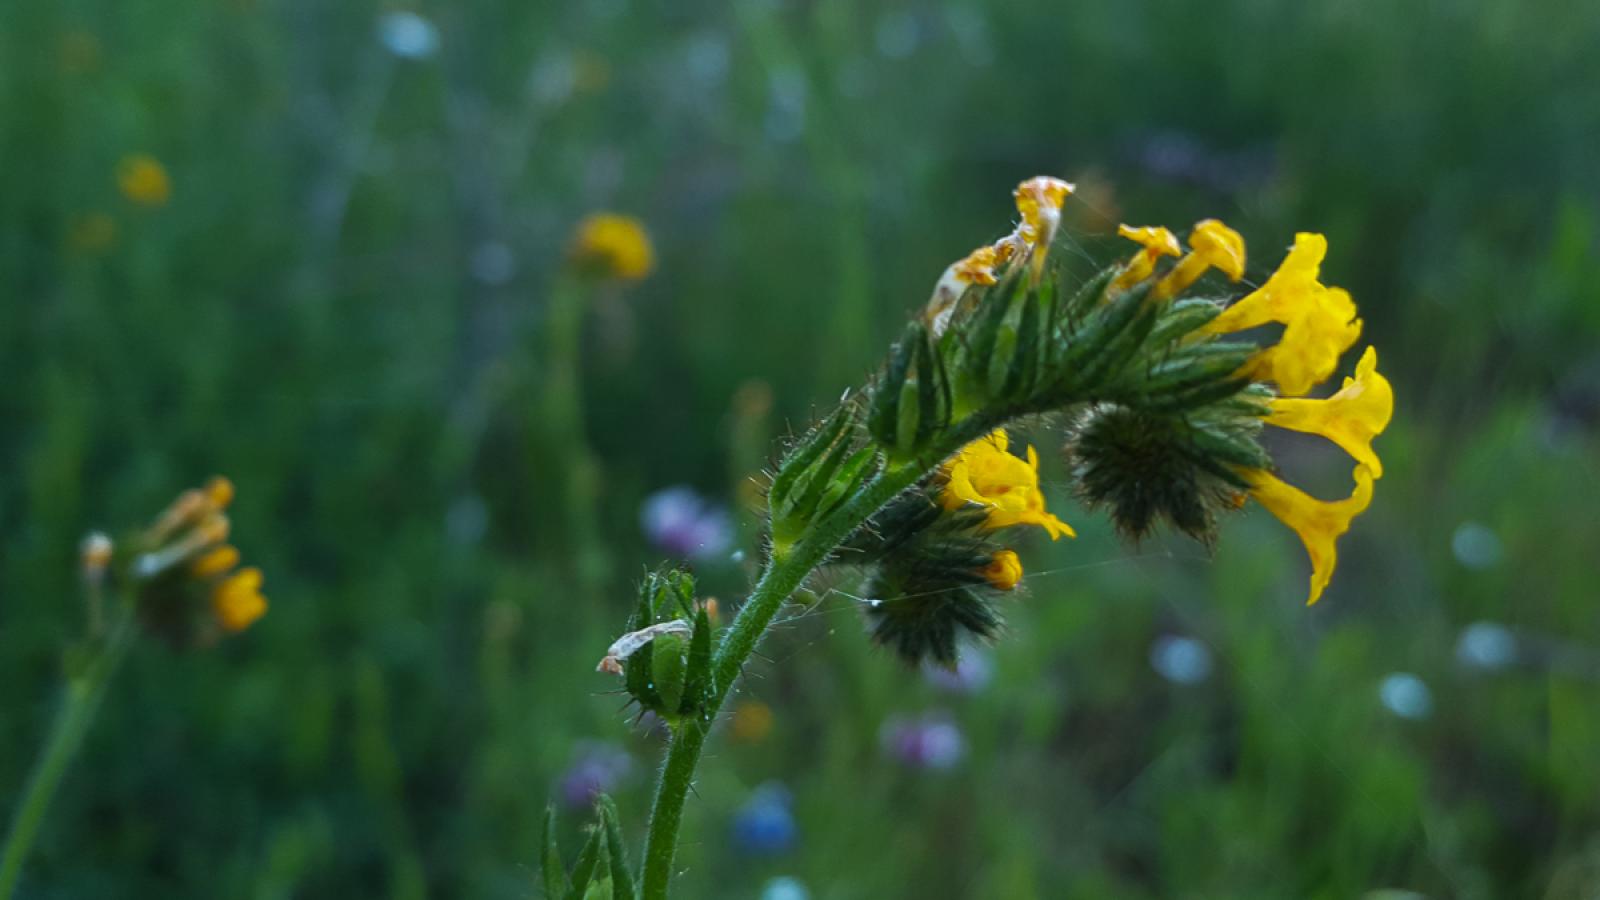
[187,545]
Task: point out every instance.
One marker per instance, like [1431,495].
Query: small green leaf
[583,870]
[621,875]
[555,874]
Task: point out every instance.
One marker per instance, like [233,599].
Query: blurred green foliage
[343,307]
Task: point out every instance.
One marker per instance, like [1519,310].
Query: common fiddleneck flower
[976,268]
[1156,241]
[1318,522]
[1319,322]
[144,180]
[985,472]
[1004,570]
[1211,245]
[236,600]
[613,246]
[1039,201]
[1351,418]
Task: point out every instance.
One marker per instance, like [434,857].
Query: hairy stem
[82,698]
[780,580]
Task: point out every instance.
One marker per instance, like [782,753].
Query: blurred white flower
[1486,645]
[784,888]
[408,35]
[1180,659]
[1405,695]
[1476,546]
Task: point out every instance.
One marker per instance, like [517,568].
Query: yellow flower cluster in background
[143,180]
[193,531]
[986,473]
[614,246]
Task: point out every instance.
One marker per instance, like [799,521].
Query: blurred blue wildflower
[784,888]
[684,524]
[1486,645]
[972,673]
[408,35]
[1181,659]
[765,824]
[931,741]
[599,769]
[1405,695]
[1476,546]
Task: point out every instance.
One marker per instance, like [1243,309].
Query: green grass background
[308,314]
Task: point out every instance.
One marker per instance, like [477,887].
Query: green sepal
[861,467]
[617,850]
[669,671]
[1025,356]
[1184,317]
[1091,294]
[933,394]
[550,866]
[807,451]
[697,675]
[884,421]
[583,871]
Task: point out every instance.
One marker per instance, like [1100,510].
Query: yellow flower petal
[1319,322]
[1319,523]
[986,473]
[1351,418]
[144,180]
[1284,292]
[214,562]
[615,246]
[1211,245]
[976,267]
[1039,201]
[1157,242]
[1311,344]
[237,600]
[1004,570]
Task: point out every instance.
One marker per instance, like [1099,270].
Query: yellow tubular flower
[613,245]
[1350,418]
[1211,245]
[1319,523]
[144,180]
[219,491]
[1157,241]
[1284,292]
[214,562]
[1319,322]
[986,473]
[1039,201]
[1311,344]
[237,600]
[1003,571]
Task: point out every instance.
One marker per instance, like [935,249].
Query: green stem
[782,577]
[83,694]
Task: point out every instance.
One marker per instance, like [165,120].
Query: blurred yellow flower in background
[143,180]
[986,473]
[236,600]
[751,721]
[92,232]
[613,245]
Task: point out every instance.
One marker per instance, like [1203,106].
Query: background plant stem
[83,694]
